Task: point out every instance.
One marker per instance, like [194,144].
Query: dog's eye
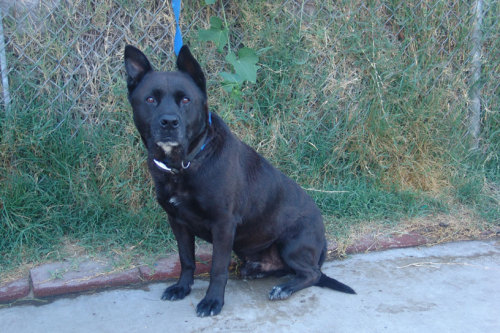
[150,100]
[185,100]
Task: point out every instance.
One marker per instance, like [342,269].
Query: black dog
[215,187]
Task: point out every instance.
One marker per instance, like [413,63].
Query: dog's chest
[183,204]
[187,211]
[174,201]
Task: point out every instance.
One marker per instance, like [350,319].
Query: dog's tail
[328,282]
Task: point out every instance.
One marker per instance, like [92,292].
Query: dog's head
[170,108]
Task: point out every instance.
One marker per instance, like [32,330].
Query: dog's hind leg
[304,277]
[302,256]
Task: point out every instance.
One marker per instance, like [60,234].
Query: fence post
[475,92]
[3,68]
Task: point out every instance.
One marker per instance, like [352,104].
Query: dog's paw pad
[175,292]
[279,292]
[211,307]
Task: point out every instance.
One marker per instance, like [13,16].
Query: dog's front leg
[222,240]
[185,243]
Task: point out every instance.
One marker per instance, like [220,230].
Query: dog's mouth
[168,146]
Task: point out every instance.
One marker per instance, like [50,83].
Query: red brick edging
[69,277]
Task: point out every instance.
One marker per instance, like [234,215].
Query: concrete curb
[61,278]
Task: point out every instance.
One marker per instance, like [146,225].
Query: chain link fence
[64,57]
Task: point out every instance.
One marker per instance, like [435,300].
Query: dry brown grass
[463,224]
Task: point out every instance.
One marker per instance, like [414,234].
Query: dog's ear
[188,64]
[137,65]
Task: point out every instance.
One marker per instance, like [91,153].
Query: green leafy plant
[245,67]
[244,63]
[216,34]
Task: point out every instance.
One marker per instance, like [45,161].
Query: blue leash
[176,6]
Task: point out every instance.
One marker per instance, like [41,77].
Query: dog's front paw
[175,292]
[209,307]
[280,292]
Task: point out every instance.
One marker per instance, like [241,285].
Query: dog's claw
[279,293]
[175,292]
[209,308]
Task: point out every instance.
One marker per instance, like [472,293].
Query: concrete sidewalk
[447,288]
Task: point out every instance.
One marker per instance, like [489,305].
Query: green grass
[367,100]
[59,184]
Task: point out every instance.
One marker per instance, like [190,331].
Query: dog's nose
[169,121]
